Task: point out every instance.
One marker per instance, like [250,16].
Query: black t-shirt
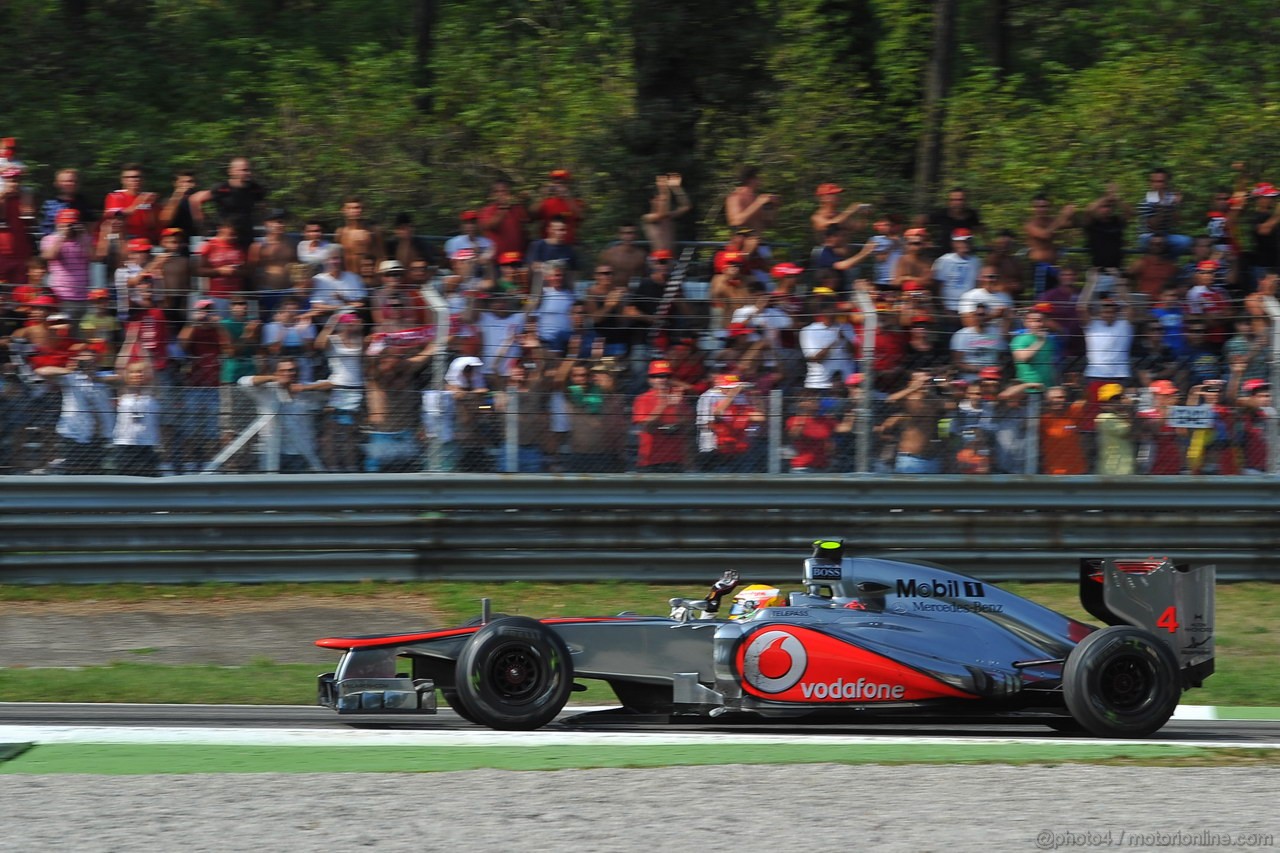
[183,218]
[1105,239]
[238,204]
[943,223]
[1266,247]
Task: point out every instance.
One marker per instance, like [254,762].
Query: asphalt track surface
[1222,732]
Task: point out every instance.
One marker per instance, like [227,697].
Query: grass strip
[132,759]
[1246,712]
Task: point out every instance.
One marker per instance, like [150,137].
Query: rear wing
[1173,601]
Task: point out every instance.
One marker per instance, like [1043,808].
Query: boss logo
[825,573]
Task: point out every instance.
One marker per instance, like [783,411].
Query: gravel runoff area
[733,808]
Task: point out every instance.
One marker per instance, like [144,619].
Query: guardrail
[652,528]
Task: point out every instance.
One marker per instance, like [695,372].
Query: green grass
[128,759]
[1247,642]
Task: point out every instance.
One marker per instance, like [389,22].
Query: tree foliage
[331,97]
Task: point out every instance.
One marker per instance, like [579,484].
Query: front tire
[514,673]
[1121,682]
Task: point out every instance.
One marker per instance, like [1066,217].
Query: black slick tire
[514,673]
[1121,682]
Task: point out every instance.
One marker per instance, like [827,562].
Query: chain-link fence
[87,423]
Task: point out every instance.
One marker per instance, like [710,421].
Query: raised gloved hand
[728,583]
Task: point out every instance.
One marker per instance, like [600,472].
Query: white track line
[419,738]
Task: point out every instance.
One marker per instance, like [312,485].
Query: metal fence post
[866,411]
[1032,465]
[1272,307]
[439,366]
[775,431]
[511,432]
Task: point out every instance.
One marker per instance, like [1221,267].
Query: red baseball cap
[1253,385]
[67,214]
[171,232]
[829,189]
[1217,214]
[921,320]
[44,300]
[139,244]
[1043,307]
[1163,386]
[910,285]
[1207,266]
[785,269]
[660,255]
[962,234]
[660,368]
[561,175]
[468,215]
[507,259]
[99,293]
[1265,190]
[989,373]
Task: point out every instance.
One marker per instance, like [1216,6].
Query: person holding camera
[69,251]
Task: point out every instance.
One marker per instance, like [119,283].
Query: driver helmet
[754,597]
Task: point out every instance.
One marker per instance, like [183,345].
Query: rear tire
[1121,682]
[514,673]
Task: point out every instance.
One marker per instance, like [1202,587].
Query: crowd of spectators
[221,326]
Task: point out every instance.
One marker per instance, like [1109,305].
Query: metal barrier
[611,527]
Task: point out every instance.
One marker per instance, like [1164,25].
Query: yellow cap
[1109,392]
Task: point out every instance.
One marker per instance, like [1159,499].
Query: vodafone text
[860,689]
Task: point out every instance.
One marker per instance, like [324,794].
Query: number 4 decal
[1168,619]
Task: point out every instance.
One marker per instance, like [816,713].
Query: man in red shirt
[222,261]
[503,220]
[558,201]
[664,416]
[15,215]
[137,208]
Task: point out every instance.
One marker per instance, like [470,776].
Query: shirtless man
[356,237]
[270,259]
[729,290]
[1042,230]
[669,203]
[747,207]
[625,259]
[913,264]
[826,215]
[916,426]
[393,398]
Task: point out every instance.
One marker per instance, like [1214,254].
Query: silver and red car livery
[867,637]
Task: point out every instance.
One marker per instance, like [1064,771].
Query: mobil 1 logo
[940,589]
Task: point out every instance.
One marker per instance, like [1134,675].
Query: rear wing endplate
[1173,601]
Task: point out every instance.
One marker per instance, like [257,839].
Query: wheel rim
[1125,683]
[516,673]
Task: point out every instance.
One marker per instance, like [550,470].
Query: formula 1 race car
[868,637]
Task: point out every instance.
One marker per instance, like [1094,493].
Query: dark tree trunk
[425,15]
[937,85]
[998,49]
